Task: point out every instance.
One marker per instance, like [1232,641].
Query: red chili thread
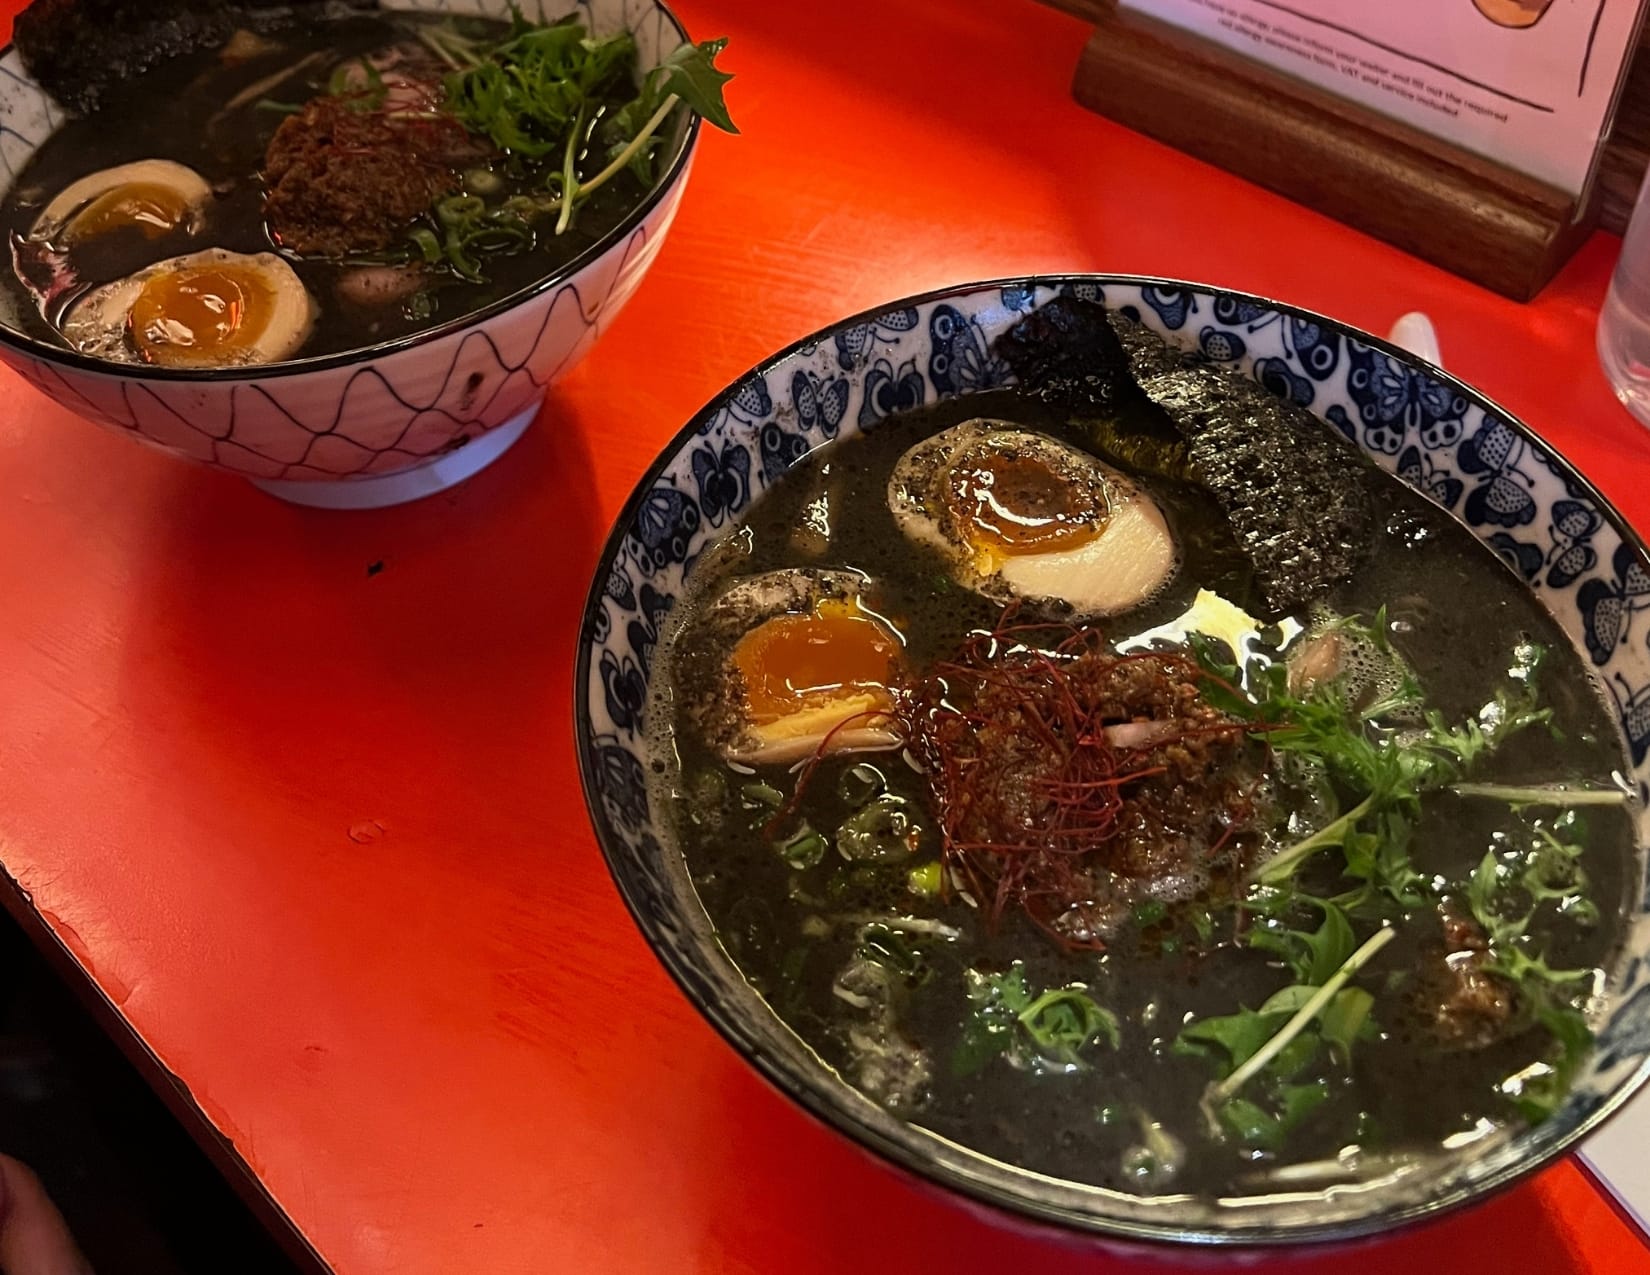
[1056,678]
[1057,688]
[772,828]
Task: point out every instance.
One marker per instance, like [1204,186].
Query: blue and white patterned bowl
[395,420]
[1444,439]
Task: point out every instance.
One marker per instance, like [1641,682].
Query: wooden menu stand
[1477,218]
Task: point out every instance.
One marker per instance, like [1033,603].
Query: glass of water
[1624,323]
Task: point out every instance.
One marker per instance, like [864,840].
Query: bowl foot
[406,484]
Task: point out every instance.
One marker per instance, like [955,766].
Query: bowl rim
[36,348]
[803,1089]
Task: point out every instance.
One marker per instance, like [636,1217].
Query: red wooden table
[312,831]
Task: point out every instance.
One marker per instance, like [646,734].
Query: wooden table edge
[162,1081]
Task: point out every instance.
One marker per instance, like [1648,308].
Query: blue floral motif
[1607,608]
[1229,309]
[1018,297]
[622,785]
[1084,292]
[1337,417]
[888,391]
[601,624]
[1317,347]
[618,587]
[664,528]
[1605,617]
[851,344]
[1634,709]
[1502,496]
[780,450]
[643,631]
[1572,554]
[653,904]
[1418,470]
[1574,520]
[1526,559]
[1443,432]
[1282,380]
[820,402]
[723,479]
[1492,446]
[751,399]
[1393,398]
[1572,489]
[960,362]
[1221,345]
[854,342]
[625,689]
[1173,305]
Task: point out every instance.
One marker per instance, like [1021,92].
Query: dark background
[138,1193]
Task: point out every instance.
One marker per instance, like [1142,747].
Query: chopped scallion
[803,850]
[926,879]
[761,794]
[860,783]
[880,832]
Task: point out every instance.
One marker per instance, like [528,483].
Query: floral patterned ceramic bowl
[393,421]
[1439,436]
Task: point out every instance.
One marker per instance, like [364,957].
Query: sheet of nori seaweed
[1296,495]
[1066,353]
[77,49]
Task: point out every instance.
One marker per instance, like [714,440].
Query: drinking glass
[1624,323]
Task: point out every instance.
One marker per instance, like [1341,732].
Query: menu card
[1616,1156]
[1530,84]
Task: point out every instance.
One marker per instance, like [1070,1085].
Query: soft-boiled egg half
[207,309]
[152,196]
[809,668]
[1022,515]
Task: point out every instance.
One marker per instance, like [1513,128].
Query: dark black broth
[1459,613]
[176,112]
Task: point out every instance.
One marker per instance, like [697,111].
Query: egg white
[189,185]
[1131,559]
[97,323]
[748,604]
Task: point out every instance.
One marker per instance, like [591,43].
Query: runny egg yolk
[792,664]
[1013,505]
[201,316]
[150,207]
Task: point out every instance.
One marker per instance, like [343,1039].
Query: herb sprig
[1371,766]
[1381,763]
[542,95]
[1052,1028]
[1505,894]
[1277,1043]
